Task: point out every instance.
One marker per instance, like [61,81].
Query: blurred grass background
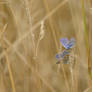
[27,52]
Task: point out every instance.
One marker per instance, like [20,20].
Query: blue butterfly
[63,55]
[68,44]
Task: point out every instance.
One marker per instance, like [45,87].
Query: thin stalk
[28,11]
[72,79]
[87,90]
[86,37]
[3,2]
[8,63]
[10,74]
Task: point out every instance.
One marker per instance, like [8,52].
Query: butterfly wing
[71,43]
[64,42]
[61,55]
[57,56]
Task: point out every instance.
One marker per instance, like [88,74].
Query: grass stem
[86,37]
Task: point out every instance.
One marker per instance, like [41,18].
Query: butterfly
[64,55]
[68,44]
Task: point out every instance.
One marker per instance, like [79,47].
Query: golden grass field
[30,32]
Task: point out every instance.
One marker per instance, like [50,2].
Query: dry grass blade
[87,90]
[8,62]
[10,73]
[28,11]
[4,29]
[3,3]
[41,36]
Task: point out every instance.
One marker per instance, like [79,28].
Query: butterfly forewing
[64,42]
[60,56]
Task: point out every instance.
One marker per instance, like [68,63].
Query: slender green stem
[85,23]
[86,37]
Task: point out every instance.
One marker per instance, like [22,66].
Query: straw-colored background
[27,62]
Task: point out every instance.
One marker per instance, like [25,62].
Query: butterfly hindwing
[61,55]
